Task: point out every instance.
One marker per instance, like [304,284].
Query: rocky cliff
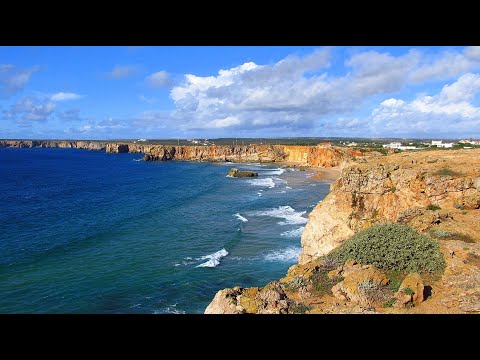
[304,155]
[74,144]
[398,188]
[435,192]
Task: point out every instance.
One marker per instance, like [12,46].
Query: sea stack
[235,173]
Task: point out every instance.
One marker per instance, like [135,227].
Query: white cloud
[449,112]
[158,80]
[13,80]
[62,96]
[122,71]
[30,109]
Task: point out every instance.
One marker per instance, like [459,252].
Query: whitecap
[278,171]
[240,217]
[137,159]
[287,187]
[213,259]
[266,182]
[289,254]
[295,233]
[284,212]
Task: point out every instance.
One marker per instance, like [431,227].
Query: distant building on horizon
[440,143]
[398,145]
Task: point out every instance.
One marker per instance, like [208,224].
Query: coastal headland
[435,193]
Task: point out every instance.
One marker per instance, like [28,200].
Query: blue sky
[187,92]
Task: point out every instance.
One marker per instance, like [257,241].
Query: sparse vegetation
[298,308]
[396,279]
[459,206]
[432,161]
[297,283]
[433,207]
[446,172]
[392,247]
[374,213]
[408,291]
[322,284]
[389,303]
[393,189]
[447,235]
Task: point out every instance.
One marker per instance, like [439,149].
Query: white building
[393,145]
[439,143]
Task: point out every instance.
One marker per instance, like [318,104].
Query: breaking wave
[213,259]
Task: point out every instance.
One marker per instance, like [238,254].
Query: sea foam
[291,216]
[296,233]
[266,182]
[278,171]
[240,217]
[213,259]
[289,254]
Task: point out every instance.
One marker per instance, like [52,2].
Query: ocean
[89,232]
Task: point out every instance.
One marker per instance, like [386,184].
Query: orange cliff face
[319,156]
[304,155]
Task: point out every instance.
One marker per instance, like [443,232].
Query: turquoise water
[90,232]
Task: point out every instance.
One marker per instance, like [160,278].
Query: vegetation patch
[446,172]
[393,189]
[297,283]
[392,247]
[408,291]
[298,308]
[389,303]
[459,206]
[433,207]
[396,279]
[447,235]
[322,284]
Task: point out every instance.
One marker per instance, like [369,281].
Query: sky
[104,92]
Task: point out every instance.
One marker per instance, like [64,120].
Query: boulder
[225,302]
[363,286]
[412,283]
[235,173]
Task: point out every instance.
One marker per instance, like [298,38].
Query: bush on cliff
[392,247]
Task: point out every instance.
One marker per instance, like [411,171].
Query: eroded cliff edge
[435,192]
[315,156]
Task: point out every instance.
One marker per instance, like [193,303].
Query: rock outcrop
[235,173]
[392,189]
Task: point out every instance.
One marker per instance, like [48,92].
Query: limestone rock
[413,282]
[236,173]
[362,286]
[225,302]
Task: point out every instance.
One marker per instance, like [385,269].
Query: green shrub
[393,189]
[446,172]
[392,247]
[298,308]
[446,235]
[459,206]
[389,303]
[433,207]
[322,284]
[396,279]
[408,291]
